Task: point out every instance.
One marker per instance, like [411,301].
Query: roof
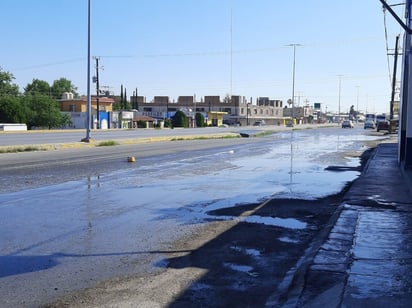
[143,118]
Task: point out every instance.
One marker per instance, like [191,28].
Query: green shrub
[200,120]
[107,143]
[179,119]
[168,123]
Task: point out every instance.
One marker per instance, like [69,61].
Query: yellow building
[80,104]
[215,118]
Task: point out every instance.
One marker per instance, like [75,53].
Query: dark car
[382,125]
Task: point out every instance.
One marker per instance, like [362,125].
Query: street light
[89,100]
[340,81]
[293,79]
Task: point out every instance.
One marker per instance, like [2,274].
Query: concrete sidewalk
[367,258]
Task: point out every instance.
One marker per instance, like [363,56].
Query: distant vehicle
[347,124]
[370,117]
[259,123]
[382,125]
[380,117]
[369,124]
[231,122]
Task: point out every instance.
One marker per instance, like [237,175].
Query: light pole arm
[403,25]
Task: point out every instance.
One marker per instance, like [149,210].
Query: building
[266,110]
[76,108]
[70,104]
[302,115]
[234,111]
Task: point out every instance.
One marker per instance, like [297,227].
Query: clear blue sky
[183,47]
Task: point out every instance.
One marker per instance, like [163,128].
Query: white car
[347,124]
[369,124]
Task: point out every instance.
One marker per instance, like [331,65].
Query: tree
[7,87]
[121,97]
[42,111]
[179,119]
[62,85]
[11,110]
[200,119]
[37,87]
[65,120]
[123,104]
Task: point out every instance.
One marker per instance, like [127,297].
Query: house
[140,121]
[76,108]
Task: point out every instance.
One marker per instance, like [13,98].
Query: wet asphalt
[366,260]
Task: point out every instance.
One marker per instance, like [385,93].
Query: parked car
[347,124]
[231,122]
[369,124]
[259,123]
[382,125]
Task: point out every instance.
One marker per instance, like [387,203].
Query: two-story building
[234,111]
[76,108]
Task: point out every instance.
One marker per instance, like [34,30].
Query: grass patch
[20,149]
[206,137]
[107,143]
[264,133]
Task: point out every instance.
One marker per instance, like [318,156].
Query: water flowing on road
[68,236]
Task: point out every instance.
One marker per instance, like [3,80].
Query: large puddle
[75,232]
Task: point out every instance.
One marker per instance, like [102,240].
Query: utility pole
[88,113]
[394,77]
[231,51]
[97,91]
[340,81]
[293,80]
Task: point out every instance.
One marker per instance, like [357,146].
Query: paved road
[74,234]
[72,136]
[35,169]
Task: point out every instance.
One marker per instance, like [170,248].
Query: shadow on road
[248,263]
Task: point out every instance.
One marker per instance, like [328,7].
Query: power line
[386,43]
